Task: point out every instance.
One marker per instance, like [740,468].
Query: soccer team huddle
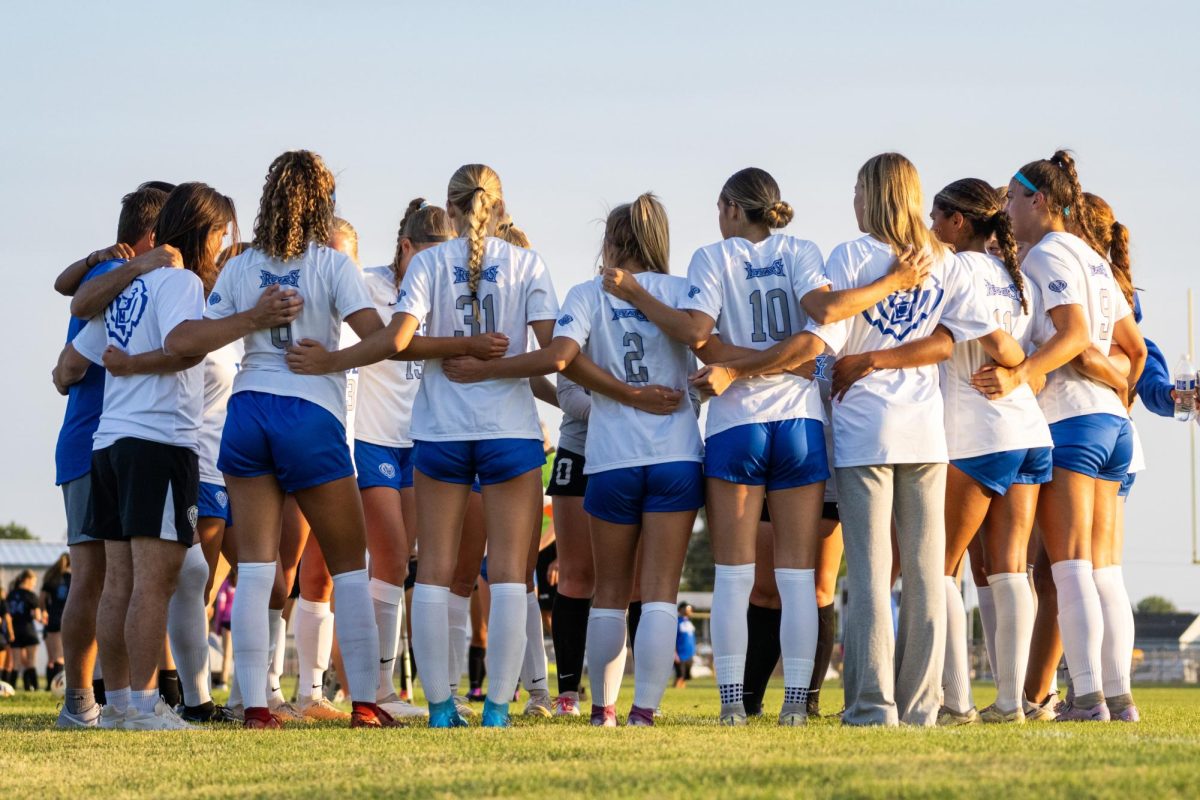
[923,391]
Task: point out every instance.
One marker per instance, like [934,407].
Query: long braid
[477,221]
[1076,211]
[1007,243]
[1118,257]
[983,206]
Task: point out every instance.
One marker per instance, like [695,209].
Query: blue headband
[1028,184]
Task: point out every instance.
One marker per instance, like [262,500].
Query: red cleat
[261,719]
[369,715]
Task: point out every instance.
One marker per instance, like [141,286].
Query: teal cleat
[445,715]
[495,715]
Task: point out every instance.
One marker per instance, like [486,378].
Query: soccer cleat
[993,714]
[539,705]
[236,713]
[465,709]
[475,695]
[370,715]
[163,718]
[733,714]
[399,709]
[566,705]
[111,719]
[793,718]
[640,718]
[1073,713]
[205,712]
[318,709]
[604,716]
[495,715]
[286,712]
[949,718]
[260,719]
[445,715]
[1041,712]
[89,718]
[1127,714]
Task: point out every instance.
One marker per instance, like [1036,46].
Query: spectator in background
[8,671]
[25,611]
[685,646]
[222,625]
[56,583]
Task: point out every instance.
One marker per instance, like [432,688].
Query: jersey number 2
[635,371]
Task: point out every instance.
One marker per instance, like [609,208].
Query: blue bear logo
[122,316]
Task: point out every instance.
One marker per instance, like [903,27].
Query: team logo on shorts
[463,275]
[692,292]
[387,470]
[901,313]
[124,314]
[753,272]
[214,298]
[565,319]
[222,499]
[193,516]
[271,279]
[1057,286]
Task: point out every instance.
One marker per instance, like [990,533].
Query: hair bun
[778,215]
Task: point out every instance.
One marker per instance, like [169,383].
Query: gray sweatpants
[887,679]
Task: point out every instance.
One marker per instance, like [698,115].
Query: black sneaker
[206,712]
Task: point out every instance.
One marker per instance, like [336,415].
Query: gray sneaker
[733,714]
[993,714]
[84,719]
[1073,713]
[949,718]
[1041,712]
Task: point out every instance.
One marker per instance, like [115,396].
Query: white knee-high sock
[357,634]
[506,641]
[277,633]
[430,639]
[1081,624]
[956,672]
[388,600]
[797,632]
[731,600]
[187,627]
[314,645]
[458,615]
[235,688]
[251,631]
[533,667]
[654,653]
[1014,628]
[1117,647]
[987,615]
[605,653]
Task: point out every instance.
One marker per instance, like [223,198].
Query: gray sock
[1090,700]
[80,700]
[1119,703]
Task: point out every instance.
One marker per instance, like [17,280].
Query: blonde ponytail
[476,192]
[639,232]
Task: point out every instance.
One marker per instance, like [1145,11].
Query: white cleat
[84,719]
[464,706]
[318,709]
[163,718]
[400,709]
[539,705]
[111,719]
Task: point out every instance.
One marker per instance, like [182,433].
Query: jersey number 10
[774,308]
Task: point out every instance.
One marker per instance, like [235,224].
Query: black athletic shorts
[567,478]
[829,511]
[410,580]
[143,488]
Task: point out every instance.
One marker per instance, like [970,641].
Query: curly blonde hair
[476,193]
[296,207]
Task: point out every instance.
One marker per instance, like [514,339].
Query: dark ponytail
[983,207]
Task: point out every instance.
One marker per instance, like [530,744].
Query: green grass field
[687,755]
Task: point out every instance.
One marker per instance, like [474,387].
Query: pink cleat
[640,717]
[1073,713]
[566,705]
[1127,714]
[604,716]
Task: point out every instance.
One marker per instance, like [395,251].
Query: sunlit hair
[510,233]
[187,218]
[893,204]
[139,213]
[1111,241]
[344,229]
[756,193]
[476,193]
[983,207]
[296,207]
[232,251]
[1058,180]
[55,573]
[638,232]
[421,224]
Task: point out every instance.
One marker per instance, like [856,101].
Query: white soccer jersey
[976,426]
[623,342]
[753,292]
[1068,272]
[220,368]
[160,408]
[514,290]
[386,390]
[332,288]
[894,416]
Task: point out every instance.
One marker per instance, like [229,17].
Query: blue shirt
[1155,385]
[85,401]
[685,639]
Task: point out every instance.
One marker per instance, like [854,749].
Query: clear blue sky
[579,107]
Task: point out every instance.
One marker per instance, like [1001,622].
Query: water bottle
[1185,389]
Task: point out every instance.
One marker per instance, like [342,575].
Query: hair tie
[1066,211]
[424,204]
[1028,184]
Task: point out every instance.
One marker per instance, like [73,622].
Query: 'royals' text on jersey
[624,343]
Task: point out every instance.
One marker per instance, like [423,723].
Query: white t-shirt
[753,292]
[624,343]
[332,288]
[386,390]
[894,416]
[977,426]
[514,290]
[1068,272]
[159,408]
[220,368]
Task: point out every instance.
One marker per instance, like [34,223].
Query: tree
[1155,605]
[14,531]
